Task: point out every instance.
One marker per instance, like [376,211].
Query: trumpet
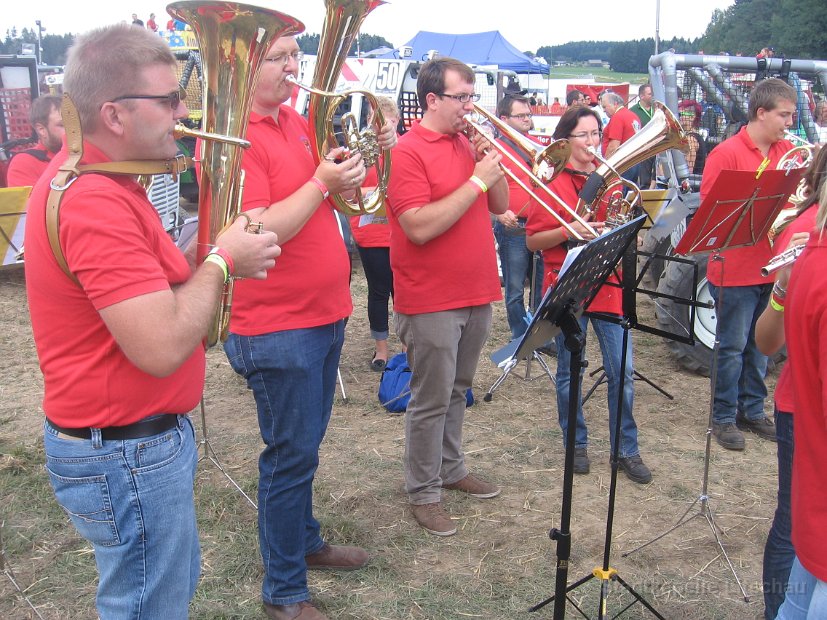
[559,154]
[787,257]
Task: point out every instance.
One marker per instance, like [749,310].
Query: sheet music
[570,256]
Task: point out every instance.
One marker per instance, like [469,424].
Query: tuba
[342,21]
[661,133]
[233,39]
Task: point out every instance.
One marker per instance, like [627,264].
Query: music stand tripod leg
[606,573]
[705,510]
[210,454]
[574,341]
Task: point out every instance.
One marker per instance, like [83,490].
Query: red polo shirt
[741,266]
[621,126]
[370,231]
[25,169]
[458,268]
[114,243]
[784,397]
[805,326]
[309,285]
[568,186]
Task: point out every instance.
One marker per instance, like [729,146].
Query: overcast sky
[527,24]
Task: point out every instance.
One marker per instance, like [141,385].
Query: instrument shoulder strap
[71,170]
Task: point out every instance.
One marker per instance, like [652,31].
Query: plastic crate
[16,105]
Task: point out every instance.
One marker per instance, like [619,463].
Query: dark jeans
[778,552]
[377,265]
[516,261]
[292,374]
[741,366]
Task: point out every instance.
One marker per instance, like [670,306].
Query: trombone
[548,161]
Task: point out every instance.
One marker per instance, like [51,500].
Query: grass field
[598,73]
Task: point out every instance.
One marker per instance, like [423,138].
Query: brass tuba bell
[233,39]
[661,133]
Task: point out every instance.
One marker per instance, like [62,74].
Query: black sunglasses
[174,98]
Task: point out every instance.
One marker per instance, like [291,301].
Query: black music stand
[727,220]
[584,272]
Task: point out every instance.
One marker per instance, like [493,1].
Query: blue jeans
[779,552]
[741,366]
[610,337]
[516,262]
[806,597]
[292,375]
[133,501]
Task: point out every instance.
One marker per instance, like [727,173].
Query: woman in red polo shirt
[779,553]
[582,127]
[373,238]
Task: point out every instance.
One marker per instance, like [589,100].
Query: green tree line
[795,28]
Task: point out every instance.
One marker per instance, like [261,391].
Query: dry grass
[500,562]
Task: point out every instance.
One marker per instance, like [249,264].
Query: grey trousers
[443,351]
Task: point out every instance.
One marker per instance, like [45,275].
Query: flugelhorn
[619,207]
[787,257]
[559,153]
[343,19]
[233,39]
[661,133]
[800,156]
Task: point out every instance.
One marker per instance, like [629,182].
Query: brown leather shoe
[433,519]
[337,557]
[475,487]
[297,611]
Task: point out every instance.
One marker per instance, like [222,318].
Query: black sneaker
[763,427]
[635,469]
[581,461]
[728,436]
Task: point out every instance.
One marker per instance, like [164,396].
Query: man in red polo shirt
[120,342]
[622,125]
[740,390]
[445,278]
[286,332]
[509,228]
[26,167]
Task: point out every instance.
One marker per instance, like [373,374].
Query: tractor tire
[651,277]
[674,317]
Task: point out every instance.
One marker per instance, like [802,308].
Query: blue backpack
[394,385]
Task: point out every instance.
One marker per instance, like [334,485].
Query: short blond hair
[106,62]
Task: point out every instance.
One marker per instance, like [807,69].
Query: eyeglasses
[594,135]
[522,117]
[687,114]
[174,98]
[463,98]
[285,58]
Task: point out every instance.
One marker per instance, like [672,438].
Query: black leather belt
[144,428]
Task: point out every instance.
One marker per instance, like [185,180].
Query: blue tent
[481,48]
